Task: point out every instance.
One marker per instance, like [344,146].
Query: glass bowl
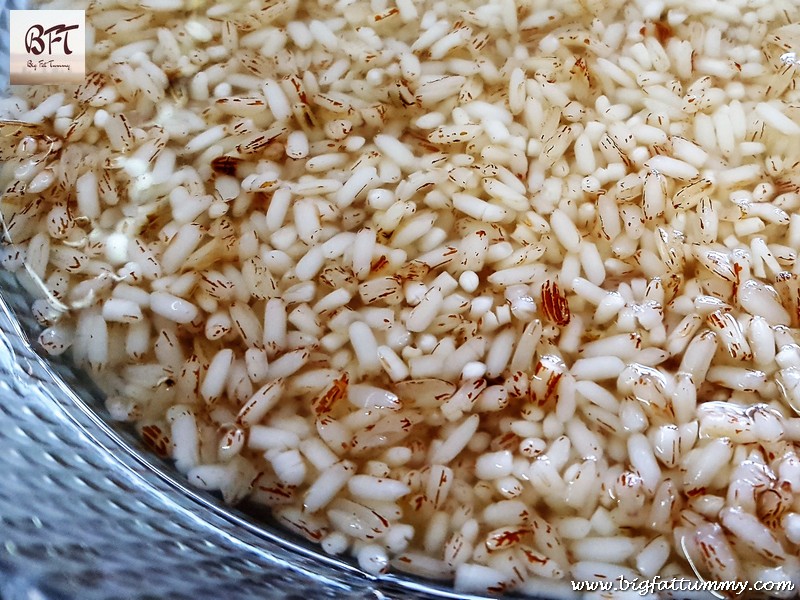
[87,512]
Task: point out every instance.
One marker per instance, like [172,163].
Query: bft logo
[37,35]
[47,46]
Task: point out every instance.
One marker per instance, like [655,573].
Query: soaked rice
[496,293]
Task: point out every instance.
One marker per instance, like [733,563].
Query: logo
[47,46]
